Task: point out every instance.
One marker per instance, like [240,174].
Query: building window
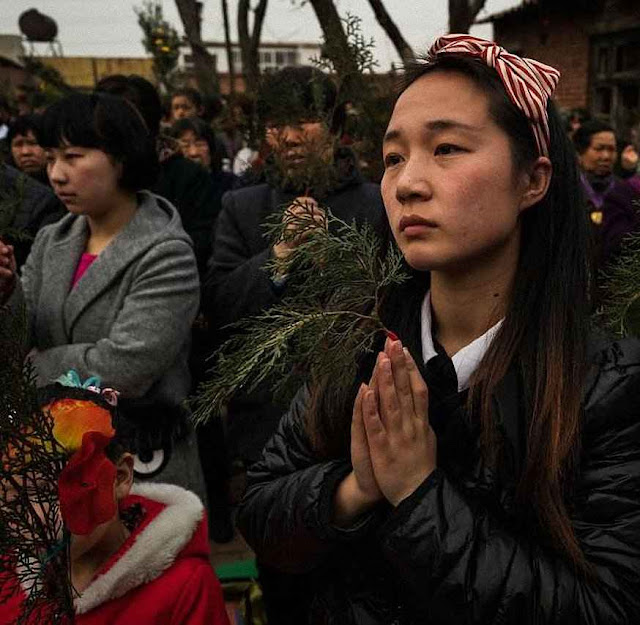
[603,61]
[628,57]
[292,57]
[615,78]
[603,101]
[279,58]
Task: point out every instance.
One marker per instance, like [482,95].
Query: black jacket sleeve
[455,558]
[190,188]
[286,511]
[461,564]
[620,218]
[237,283]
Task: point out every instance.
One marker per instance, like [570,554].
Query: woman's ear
[124,476]
[536,182]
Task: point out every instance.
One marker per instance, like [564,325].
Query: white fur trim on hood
[155,548]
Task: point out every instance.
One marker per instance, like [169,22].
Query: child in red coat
[137,554]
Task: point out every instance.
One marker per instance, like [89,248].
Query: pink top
[85,262]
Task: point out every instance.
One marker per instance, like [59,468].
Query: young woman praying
[486,466]
[112,288]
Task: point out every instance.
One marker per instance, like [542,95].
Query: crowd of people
[484,467]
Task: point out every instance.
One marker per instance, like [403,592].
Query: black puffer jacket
[458,550]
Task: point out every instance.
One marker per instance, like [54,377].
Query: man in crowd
[26,153]
[298,108]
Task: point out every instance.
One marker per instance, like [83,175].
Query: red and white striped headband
[528,83]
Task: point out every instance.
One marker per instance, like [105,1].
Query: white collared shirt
[464,361]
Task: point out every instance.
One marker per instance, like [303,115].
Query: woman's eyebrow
[391,135]
[437,125]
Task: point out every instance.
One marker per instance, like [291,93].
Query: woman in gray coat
[112,289]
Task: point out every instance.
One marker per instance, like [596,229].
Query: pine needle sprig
[11,201]
[620,311]
[328,319]
[33,543]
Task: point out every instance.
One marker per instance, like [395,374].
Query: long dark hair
[545,328]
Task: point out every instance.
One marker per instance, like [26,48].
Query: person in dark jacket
[198,143]
[27,154]
[609,199]
[596,145]
[621,207]
[186,185]
[620,216]
[238,284]
[35,204]
[486,466]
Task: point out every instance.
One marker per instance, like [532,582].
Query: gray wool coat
[128,319]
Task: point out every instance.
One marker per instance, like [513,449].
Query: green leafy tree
[161,40]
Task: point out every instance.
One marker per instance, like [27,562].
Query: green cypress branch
[328,319]
[11,200]
[33,543]
[620,312]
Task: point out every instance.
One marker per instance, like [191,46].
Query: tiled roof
[526,4]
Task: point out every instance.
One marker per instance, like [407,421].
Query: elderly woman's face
[27,153]
[449,187]
[195,148]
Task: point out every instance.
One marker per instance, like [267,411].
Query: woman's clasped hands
[393,448]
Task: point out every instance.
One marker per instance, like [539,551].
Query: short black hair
[110,124]
[23,125]
[140,92]
[299,94]
[202,131]
[582,136]
[193,95]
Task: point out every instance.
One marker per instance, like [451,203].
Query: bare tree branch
[258,20]
[203,62]
[338,52]
[462,14]
[227,45]
[393,32]
[477,6]
[250,41]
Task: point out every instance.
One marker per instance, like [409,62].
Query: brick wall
[559,35]
[560,42]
